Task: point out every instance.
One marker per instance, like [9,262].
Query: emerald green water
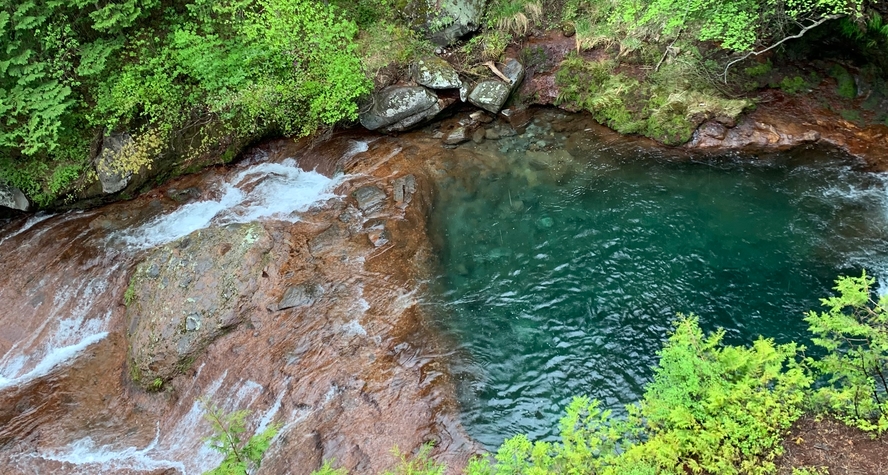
[560,273]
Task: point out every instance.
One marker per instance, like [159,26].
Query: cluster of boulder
[434,87]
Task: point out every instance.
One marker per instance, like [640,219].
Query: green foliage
[513,16]
[854,332]
[812,470]
[716,408]
[419,464]
[871,32]
[156,385]
[241,457]
[845,85]
[327,469]
[488,46]
[667,106]
[793,85]
[383,44]
[851,115]
[71,71]
[711,408]
[589,443]
[760,69]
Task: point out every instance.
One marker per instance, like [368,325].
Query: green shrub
[854,332]
[419,464]
[240,457]
[239,67]
[851,115]
[793,85]
[845,85]
[327,469]
[760,69]
[711,408]
[716,408]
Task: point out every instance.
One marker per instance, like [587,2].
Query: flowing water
[562,257]
[61,350]
[561,272]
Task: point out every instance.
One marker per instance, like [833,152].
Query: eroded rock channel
[294,284]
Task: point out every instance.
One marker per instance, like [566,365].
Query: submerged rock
[407,104]
[186,294]
[301,295]
[435,73]
[369,198]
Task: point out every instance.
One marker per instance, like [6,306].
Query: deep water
[561,272]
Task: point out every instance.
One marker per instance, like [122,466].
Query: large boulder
[435,73]
[490,95]
[187,293]
[459,17]
[12,197]
[112,177]
[396,103]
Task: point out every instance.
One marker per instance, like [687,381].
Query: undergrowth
[666,105]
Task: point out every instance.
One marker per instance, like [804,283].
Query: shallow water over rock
[102,373]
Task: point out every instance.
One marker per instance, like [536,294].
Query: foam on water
[53,358]
[29,223]
[86,454]
[266,190]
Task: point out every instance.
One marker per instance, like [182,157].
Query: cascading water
[62,284]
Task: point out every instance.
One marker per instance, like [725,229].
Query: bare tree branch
[797,35]
[669,48]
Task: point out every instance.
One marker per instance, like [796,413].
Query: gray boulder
[187,293]
[435,73]
[415,119]
[12,197]
[490,95]
[396,103]
[461,17]
[514,70]
[110,176]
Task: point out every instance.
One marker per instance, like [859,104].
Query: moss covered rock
[186,294]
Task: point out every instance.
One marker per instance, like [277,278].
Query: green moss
[666,106]
[793,85]
[130,295]
[851,115]
[846,87]
[760,69]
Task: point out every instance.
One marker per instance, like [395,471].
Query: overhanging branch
[801,33]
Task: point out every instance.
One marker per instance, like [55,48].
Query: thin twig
[677,35]
[797,35]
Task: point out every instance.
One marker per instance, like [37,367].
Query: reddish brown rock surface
[348,366]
